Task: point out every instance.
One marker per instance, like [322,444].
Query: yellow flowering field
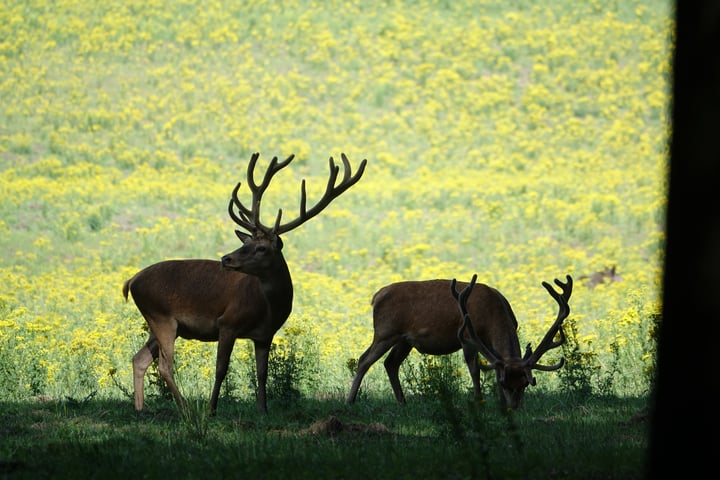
[519,141]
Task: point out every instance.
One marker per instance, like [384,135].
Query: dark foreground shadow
[551,437]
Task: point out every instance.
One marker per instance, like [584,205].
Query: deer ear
[278,243]
[244,237]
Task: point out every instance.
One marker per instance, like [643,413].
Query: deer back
[425,314]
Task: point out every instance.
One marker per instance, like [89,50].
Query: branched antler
[249,219]
[474,340]
[548,342]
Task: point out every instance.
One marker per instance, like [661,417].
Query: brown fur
[424,315]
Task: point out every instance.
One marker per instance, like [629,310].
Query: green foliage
[21,373]
[11,382]
[650,347]
[293,367]
[195,417]
[435,376]
[578,375]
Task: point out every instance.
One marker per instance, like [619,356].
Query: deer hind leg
[141,361]
[366,360]
[166,342]
[392,366]
[225,347]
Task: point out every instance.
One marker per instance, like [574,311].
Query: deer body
[596,278]
[425,316]
[209,299]
[248,294]
[422,314]
[198,300]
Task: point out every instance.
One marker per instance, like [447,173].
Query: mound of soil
[333,426]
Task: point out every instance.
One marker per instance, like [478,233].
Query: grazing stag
[513,373]
[246,295]
[422,315]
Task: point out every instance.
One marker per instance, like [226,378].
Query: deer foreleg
[262,353]
[225,348]
[471,359]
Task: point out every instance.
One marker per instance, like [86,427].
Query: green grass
[550,438]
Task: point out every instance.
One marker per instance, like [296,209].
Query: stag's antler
[490,355]
[331,192]
[548,342]
[249,219]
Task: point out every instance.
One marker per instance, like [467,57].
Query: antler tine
[566,287]
[272,169]
[548,342]
[243,216]
[346,167]
[249,218]
[250,174]
[475,341]
[332,191]
[461,298]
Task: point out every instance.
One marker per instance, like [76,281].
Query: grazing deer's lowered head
[514,373]
[246,295]
[434,318]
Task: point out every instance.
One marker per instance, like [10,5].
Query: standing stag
[422,315]
[246,295]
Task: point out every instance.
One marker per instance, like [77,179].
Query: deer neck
[276,285]
[506,343]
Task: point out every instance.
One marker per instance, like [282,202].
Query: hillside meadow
[522,141]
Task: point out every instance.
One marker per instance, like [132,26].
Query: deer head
[515,374]
[261,243]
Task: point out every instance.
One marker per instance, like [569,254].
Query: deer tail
[126,288]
